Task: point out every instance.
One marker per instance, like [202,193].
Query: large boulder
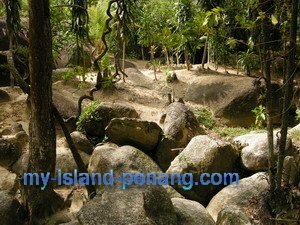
[10,210]
[204,155]
[65,103]
[232,98]
[180,126]
[82,143]
[138,133]
[191,212]
[135,206]
[7,181]
[104,113]
[233,216]
[240,195]
[255,150]
[10,151]
[125,159]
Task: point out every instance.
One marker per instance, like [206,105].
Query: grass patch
[205,118]
[235,131]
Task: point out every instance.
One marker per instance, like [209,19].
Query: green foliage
[260,115]
[205,117]
[298,114]
[98,17]
[89,114]
[2,9]
[69,75]
[108,82]
[248,61]
[62,36]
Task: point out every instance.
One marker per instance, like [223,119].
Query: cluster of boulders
[178,145]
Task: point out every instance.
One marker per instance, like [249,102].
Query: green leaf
[274,19]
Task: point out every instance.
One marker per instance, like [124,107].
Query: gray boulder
[233,216]
[10,210]
[65,103]
[204,155]
[135,206]
[7,181]
[180,126]
[141,134]
[105,112]
[82,143]
[10,151]
[239,195]
[191,212]
[255,150]
[125,159]
[232,98]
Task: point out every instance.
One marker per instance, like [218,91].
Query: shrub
[88,114]
[260,115]
[205,118]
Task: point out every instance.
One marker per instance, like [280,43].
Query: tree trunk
[288,90]
[187,59]
[267,75]
[42,141]
[204,53]
[153,64]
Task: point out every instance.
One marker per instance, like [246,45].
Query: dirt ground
[148,96]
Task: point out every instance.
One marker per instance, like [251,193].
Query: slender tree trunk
[153,64]
[267,75]
[42,141]
[124,54]
[177,58]
[288,89]
[187,59]
[204,53]
[143,55]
